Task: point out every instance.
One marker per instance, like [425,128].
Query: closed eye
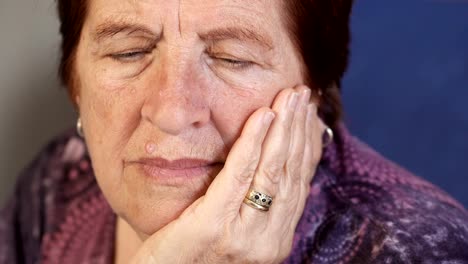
[131,56]
[235,64]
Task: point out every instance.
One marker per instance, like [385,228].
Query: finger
[314,146]
[228,189]
[296,148]
[287,197]
[312,154]
[275,149]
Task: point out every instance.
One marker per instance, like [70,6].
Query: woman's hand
[276,157]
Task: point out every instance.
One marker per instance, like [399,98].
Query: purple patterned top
[362,208]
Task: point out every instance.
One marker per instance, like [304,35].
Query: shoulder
[370,210]
[359,175]
[56,171]
[39,196]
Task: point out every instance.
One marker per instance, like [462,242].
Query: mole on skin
[150,147]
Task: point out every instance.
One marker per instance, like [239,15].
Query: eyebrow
[238,33]
[110,29]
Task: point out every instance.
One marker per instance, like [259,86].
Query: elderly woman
[210,132]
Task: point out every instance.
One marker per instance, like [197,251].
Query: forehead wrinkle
[241,19]
[237,33]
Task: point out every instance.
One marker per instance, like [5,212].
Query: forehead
[187,15]
[162,6]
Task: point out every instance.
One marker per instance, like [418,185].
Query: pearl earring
[79,127]
[327,137]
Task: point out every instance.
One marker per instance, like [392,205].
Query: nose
[178,99]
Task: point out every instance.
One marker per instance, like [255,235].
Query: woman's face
[174,79]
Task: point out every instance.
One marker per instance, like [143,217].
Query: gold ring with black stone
[258,200]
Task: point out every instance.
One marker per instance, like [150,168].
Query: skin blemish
[150,147]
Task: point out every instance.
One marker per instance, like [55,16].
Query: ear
[77,101]
[320,92]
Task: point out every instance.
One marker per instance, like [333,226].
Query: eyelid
[236,64]
[123,56]
[231,60]
[129,56]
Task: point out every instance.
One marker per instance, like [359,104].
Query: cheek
[109,101]
[233,107]
[110,112]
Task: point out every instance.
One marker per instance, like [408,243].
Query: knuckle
[272,173]
[293,166]
[246,174]
[250,164]
[297,155]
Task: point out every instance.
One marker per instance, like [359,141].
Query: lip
[178,164]
[176,172]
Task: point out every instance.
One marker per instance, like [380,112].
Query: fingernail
[268,117]
[293,100]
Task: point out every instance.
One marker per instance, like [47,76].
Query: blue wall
[406,91]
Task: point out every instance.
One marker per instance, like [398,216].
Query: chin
[150,221]
[147,206]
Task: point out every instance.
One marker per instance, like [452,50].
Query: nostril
[199,124]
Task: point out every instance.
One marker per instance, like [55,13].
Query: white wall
[33,106]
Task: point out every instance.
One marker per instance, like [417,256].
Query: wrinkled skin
[185,79]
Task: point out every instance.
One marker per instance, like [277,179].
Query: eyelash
[130,56]
[234,64]
[134,56]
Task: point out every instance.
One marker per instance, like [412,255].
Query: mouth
[176,171]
